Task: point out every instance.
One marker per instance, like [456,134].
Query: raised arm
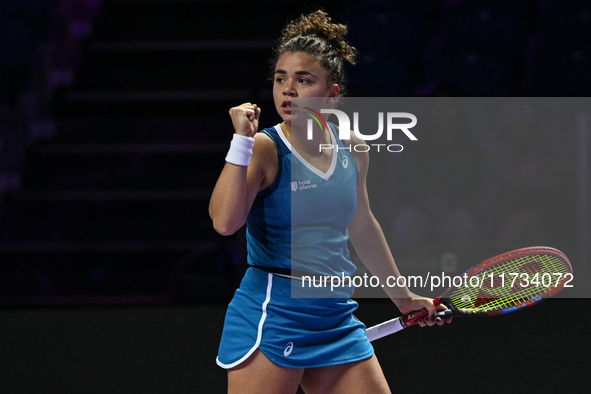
[238,185]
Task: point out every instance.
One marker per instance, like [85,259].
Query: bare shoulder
[264,146]
[361,155]
[263,139]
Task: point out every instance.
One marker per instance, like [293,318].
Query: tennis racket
[502,284]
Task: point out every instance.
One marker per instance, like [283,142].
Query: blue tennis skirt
[291,332]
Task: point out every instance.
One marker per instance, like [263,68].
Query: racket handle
[385,328]
[391,326]
[394,325]
[413,318]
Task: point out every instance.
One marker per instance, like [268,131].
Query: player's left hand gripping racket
[502,284]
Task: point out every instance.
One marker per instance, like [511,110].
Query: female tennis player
[271,342]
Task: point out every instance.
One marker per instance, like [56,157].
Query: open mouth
[288,104]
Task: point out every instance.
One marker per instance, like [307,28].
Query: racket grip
[413,318]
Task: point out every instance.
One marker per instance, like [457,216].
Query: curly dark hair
[317,35]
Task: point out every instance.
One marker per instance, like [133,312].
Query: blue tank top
[300,221]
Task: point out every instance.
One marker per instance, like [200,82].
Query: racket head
[509,282]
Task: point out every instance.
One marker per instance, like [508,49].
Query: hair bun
[320,25]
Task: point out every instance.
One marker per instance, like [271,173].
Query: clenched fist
[245,119]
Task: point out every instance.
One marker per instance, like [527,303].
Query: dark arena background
[114,127]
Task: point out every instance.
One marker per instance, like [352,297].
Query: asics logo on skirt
[288,349]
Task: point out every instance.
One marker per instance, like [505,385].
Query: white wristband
[240,150]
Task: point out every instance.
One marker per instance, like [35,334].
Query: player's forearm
[372,248]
